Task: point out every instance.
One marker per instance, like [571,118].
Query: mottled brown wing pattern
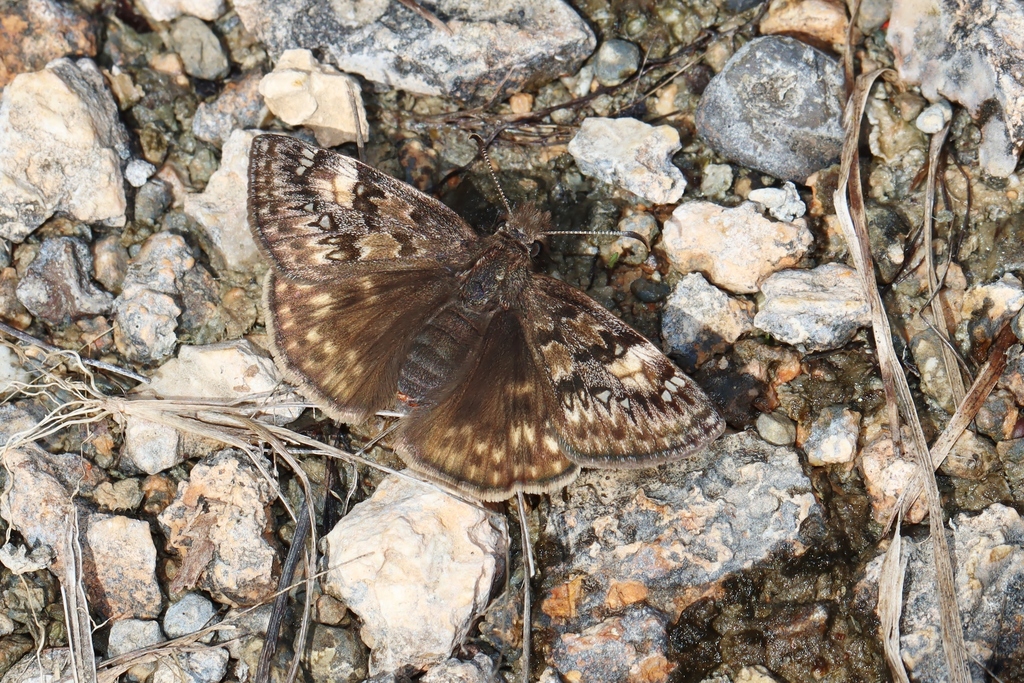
[619,402]
[344,345]
[489,433]
[321,215]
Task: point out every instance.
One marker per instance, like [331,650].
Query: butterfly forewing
[321,215]
[619,402]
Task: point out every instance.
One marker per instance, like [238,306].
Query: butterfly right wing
[322,215]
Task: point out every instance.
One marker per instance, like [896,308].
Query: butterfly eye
[534,248]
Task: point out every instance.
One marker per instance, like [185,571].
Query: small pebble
[137,172]
[57,287]
[189,614]
[717,180]
[199,48]
[129,635]
[833,437]
[783,203]
[934,118]
[616,61]
[776,429]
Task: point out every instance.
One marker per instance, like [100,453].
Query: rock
[821,308]
[33,33]
[199,48]
[776,107]
[337,655]
[137,172]
[110,262]
[166,10]
[220,210]
[969,54]
[736,249]
[54,661]
[61,149]
[206,665]
[894,140]
[12,372]
[783,203]
[934,117]
[615,61]
[146,312]
[716,181]
[119,564]
[700,320]
[416,565]
[480,669]
[152,447]
[11,310]
[632,647]
[631,154]
[671,539]
[818,22]
[984,310]
[121,495]
[973,457]
[989,566]
[629,250]
[56,287]
[189,614]
[886,477]
[238,106]
[776,429]
[228,370]
[833,437]
[129,635]
[217,523]
[302,92]
[998,416]
[506,44]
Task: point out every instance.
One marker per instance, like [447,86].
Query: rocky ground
[157,468]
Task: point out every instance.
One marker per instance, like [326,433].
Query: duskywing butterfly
[380,297]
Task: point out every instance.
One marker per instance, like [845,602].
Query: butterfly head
[527,225]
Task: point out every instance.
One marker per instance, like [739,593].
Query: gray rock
[608,651]
[129,635]
[146,312]
[208,665]
[511,42]
[137,172]
[152,200]
[56,287]
[189,614]
[337,655]
[776,429]
[61,149]
[199,48]
[833,436]
[776,107]
[239,105]
[989,566]
[631,154]
[691,525]
[700,320]
[968,53]
[616,60]
[821,308]
[629,250]
[54,661]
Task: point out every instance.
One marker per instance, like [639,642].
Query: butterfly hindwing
[321,215]
[488,434]
[345,344]
[619,402]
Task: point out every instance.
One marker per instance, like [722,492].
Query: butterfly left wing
[322,215]
[488,433]
[619,402]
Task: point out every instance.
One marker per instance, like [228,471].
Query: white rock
[821,308]
[999,300]
[221,212]
[11,371]
[886,477]
[716,181]
[416,565]
[754,674]
[165,10]
[137,172]
[736,248]
[152,447]
[783,203]
[632,155]
[303,92]
[776,429]
[701,319]
[934,117]
[833,437]
[129,635]
[189,614]
[61,149]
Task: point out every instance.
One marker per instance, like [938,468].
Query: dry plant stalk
[849,203]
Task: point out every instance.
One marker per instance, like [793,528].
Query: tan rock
[821,22]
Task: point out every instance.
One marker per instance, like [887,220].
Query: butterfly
[380,297]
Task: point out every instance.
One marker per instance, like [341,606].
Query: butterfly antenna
[490,167]
[618,233]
